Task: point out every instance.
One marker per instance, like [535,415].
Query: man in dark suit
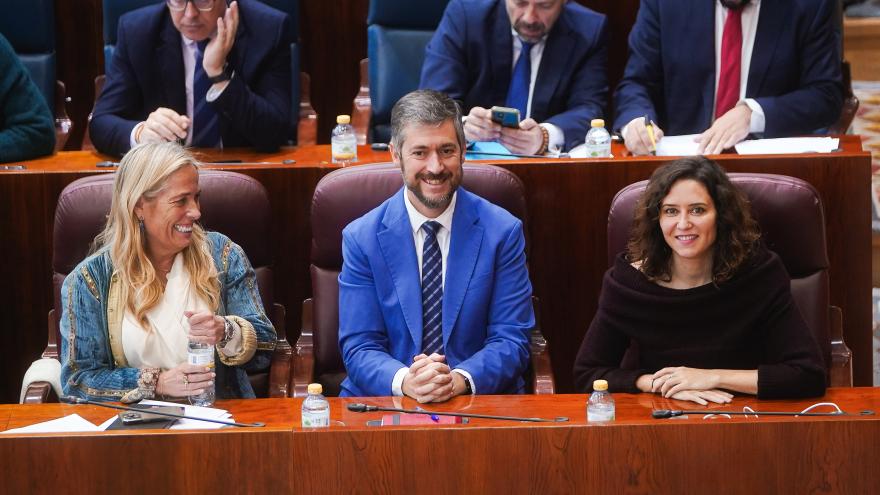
[475,57]
[434,294]
[728,69]
[199,72]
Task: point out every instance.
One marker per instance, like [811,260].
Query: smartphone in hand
[507,117]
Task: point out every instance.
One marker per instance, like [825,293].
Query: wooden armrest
[841,355]
[99,86]
[63,124]
[39,393]
[307,129]
[303,372]
[362,106]
[279,372]
[539,352]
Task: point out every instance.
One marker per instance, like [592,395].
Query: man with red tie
[726,69]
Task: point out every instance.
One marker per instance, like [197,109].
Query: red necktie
[731,58]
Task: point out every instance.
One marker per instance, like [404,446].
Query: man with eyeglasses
[200,72]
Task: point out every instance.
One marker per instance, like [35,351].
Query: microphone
[69,399]
[667,413]
[359,407]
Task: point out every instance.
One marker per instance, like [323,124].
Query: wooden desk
[861,44]
[635,454]
[568,204]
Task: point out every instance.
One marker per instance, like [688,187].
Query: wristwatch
[468,389]
[228,332]
[223,76]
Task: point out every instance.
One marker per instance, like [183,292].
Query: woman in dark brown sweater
[707,306]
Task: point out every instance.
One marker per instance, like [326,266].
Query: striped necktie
[432,291]
[206,128]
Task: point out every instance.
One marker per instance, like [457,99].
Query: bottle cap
[315,388]
[598,386]
[343,119]
[597,123]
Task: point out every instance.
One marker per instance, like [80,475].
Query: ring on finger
[185,382]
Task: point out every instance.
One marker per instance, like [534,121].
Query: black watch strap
[223,76]
[468,389]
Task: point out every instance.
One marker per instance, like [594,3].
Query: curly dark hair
[737,232]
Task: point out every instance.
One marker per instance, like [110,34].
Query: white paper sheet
[787,145]
[195,411]
[678,145]
[67,424]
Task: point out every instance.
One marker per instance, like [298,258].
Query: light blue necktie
[518,93]
[206,128]
[432,291]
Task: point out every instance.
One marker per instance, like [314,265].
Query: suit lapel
[398,249]
[502,52]
[464,247]
[765,44]
[169,53]
[559,46]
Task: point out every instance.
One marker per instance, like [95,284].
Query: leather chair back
[29,25]
[114,9]
[792,220]
[231,203]
[397,33]
[344,196]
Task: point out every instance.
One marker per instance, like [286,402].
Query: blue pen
[434,417]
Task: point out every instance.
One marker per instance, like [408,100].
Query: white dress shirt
[749,29]
[444,234]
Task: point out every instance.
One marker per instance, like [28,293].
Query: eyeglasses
[178,5]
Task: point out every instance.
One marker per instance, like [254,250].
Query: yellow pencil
[650,126]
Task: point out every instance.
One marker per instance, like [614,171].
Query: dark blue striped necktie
[206,128]
[518,93]
[432,291]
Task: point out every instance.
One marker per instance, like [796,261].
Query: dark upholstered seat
[345,195]
[792,222]
[231,203]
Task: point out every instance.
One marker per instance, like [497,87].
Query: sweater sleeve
[794,366]
[27,129]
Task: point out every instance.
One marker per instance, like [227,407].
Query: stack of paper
[67,424]
[685,145]
[787,145]
[195,411]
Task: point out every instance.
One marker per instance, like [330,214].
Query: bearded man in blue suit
[476,57]
[783,73]
[434,294]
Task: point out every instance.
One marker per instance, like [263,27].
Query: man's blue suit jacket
[147,73]
[794,73]
[470,58]
[487,308]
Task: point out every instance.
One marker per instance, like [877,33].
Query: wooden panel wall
[334,40]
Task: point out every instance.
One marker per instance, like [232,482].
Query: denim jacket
[93,365]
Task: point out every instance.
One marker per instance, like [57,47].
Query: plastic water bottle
[315,409]
[598,140]
[201,355]
[343,142]
[600,407]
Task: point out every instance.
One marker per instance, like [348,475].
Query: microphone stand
[358,407]
[671,413]
[76,400]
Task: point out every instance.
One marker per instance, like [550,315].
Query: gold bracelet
[545,142]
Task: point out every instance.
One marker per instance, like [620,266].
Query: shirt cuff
[469,378]
[554,145]
[131,142]
[757,121]
[216,90]
[397,382]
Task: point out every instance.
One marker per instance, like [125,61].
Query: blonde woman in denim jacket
[156,281]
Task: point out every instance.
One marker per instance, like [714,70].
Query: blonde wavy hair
[143,173]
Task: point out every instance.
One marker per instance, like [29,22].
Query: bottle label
[201,358]
[601,415]
[598,150]
[315,419]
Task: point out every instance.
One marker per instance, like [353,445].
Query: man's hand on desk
[637,139]
[162,125]
[479,126]
[727,131]
[429,379]
[703,397]
[526,140]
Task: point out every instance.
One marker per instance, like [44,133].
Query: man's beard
[437,203]
[520,25]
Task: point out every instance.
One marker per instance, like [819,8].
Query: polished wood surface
[634,454]
[568,203]
[861,43]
